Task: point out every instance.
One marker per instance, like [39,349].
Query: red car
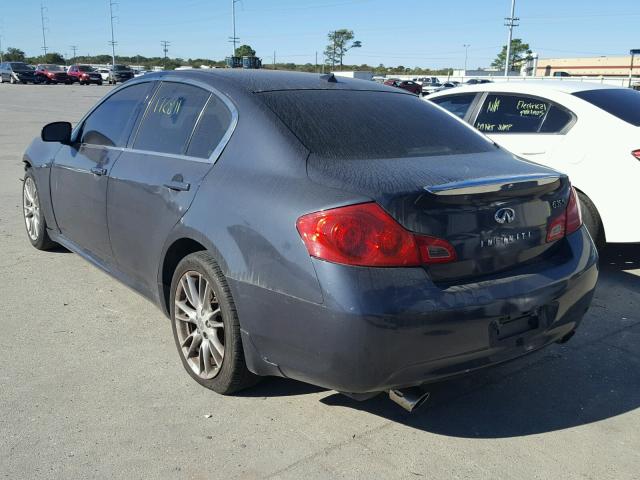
[84,75]
[48,73]
[409,85]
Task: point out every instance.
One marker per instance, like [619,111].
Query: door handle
[99,171]
[178,186]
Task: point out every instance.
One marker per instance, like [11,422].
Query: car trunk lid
[492,208]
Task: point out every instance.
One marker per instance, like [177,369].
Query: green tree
[520,53]
[340,42]
[245,51]
[14,55]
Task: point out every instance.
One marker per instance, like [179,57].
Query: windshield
[16,66]
[85,68]
[623,103]
[52,68]
[367,125]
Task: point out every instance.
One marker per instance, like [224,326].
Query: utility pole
[74,48]
[274,59]
[1,59]
[113,40]
[510,22]
[234,39]
[316,61]
[466,55]
[165,48]
[42,20]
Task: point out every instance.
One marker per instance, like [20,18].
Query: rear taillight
[365,235]
[568,222]
[636,153]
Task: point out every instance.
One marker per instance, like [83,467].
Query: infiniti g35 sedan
[589,131]
[311,227]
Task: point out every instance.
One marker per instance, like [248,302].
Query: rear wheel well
[176,252]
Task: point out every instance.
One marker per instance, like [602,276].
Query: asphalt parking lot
[91,385]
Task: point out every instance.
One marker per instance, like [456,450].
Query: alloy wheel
[31,208]
[199,325]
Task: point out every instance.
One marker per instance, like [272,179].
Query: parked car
[84,75]
[104,73]
[408,85]
[16,72]
[406,249]
[119,73]
[477,81]
[428,80]
[589,131]
[48,73]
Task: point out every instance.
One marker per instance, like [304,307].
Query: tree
[520,53]
[14,55]
[340,42]
[245,51]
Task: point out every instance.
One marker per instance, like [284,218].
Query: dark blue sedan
[335,231]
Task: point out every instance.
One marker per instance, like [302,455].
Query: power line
[113,40]
[234,39]
[42,20]
[510,22]
[165,49]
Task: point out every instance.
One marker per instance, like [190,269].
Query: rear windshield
[623,103]
[366,125]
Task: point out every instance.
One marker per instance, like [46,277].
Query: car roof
[256,81]
[532,86]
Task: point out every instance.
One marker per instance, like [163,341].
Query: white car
[104,73]
[589,131]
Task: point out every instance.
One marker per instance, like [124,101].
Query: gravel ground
[91,385]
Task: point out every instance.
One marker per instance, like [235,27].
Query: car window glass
[170,118]
[556,120]
[511,114]
[368,125]
[110,124]
[214,123]
[456,104]
[623,103]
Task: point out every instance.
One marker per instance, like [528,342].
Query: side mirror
[57,132]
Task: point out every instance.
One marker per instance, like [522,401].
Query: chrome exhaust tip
[409,398]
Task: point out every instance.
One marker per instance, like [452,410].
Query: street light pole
[633,52]
[466,54]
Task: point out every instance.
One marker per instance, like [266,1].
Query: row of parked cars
[427,85]
[20,72]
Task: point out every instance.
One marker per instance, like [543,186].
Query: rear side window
[456,104]
[213,124]
[520,114]
[110,124]
[623,103]
[170,118]
[367,125]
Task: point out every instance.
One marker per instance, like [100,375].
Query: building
[588,66]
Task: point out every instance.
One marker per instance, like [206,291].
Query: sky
[425,33]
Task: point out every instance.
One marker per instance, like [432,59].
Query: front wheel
[206,327]
[591,220]
[33,217]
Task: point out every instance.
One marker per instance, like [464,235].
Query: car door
[529,126]
[80,172]
[155,180]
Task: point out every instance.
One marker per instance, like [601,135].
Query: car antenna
[330,77]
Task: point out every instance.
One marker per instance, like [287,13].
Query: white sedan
[589,131]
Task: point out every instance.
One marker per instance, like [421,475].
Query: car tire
[99,83]
[591,219]
[197,328]
[34,220]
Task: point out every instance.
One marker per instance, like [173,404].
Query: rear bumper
[387,328]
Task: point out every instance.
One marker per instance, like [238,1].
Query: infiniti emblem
[505,215]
